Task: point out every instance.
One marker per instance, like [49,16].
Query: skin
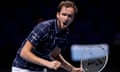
[64,19]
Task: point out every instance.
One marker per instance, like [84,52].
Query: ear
[57,14]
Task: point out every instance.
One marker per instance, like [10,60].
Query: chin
[65,27]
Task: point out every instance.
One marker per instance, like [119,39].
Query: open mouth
[65,23]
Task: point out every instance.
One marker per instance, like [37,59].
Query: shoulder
[45,25]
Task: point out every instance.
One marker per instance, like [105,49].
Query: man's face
[65,16]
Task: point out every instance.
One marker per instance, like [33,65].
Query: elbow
[22,53]
[26,50]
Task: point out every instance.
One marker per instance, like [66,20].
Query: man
[33,55]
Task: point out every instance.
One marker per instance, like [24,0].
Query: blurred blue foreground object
[88,51]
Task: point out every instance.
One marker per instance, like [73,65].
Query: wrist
[44,62]
[47,63]
[68,67]
[72,68]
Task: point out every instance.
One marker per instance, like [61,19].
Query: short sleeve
[37,34]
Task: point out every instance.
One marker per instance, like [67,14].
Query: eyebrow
[65,14]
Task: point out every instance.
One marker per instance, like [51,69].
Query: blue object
[90,51]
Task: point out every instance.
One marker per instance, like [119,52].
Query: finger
[81,69]
[57,62]
[57,66]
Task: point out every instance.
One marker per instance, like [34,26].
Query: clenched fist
[54,64]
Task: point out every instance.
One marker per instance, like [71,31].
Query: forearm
[67,66]
[64,63]
[29,56]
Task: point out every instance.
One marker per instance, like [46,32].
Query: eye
[68,15]
[64,14]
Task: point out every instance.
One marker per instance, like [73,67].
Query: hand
[74,69]
[54,65]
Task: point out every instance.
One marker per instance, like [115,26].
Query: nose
[66,17]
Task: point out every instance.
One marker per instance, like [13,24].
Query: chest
[50,41]
[56,39]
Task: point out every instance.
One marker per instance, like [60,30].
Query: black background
[97,22]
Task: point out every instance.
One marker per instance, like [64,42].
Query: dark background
[96,22]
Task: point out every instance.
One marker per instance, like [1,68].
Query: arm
[66,65]
[29,56]
[55,54]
